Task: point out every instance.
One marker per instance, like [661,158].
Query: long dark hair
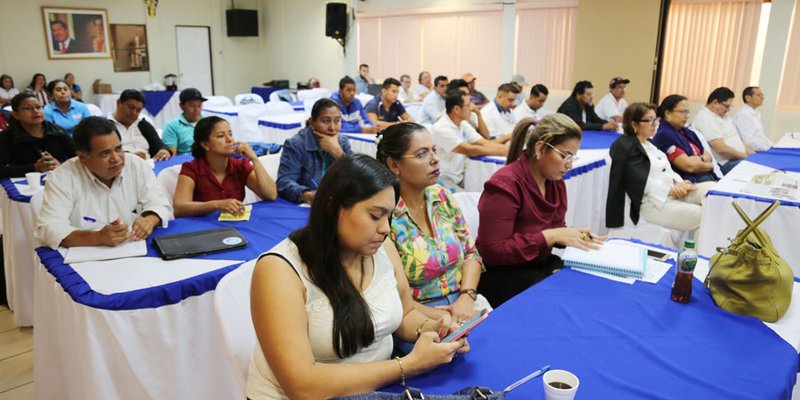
[552,129]
[393,141]
[350,180]
[201,133]
[33,80]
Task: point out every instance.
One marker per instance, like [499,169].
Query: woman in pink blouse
[523,205]
[439,256]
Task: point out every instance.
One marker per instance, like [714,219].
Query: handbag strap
[752,225]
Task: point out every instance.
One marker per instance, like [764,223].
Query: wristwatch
[470,292]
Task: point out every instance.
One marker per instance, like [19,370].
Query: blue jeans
[401,347]
[728,166]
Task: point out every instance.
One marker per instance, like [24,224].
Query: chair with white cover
[364,98]
[217,101]
[168,178]
[232,311]
[248,98]
[278,108]
[94,110]
[648,232]
[247,122]
[313,94]
[271,163]
[276,95]
[468,203]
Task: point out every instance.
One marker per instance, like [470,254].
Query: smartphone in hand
[466,327]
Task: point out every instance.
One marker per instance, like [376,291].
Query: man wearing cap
[498,114]
[137,134]
[613,104]
[478,98]
[178,134]
[519,81]
[578,106]
[532,107]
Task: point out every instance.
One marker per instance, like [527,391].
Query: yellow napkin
[225,216]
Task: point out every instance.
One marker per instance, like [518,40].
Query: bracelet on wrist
[402,372]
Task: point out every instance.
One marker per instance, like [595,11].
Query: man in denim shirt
[308,154]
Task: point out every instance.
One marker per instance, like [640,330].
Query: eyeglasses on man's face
[568,158]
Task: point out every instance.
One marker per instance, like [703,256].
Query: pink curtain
[709,44]
[546,45]
[790,95]
[444,43]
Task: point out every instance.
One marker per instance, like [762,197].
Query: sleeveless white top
[384,304]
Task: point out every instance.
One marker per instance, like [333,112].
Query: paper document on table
[131,248]
[610,277]
[777,184]
[655,271]
[226,216]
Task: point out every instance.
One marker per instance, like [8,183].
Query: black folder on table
[172,247]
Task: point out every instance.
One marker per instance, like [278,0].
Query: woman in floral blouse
[439,256]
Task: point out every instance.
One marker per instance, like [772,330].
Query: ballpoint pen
[526,379]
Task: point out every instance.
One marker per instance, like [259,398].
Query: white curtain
[546,45]
[444,43]
[790,95]
[709,44]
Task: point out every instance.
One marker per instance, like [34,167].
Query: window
[709,44]
[546,44]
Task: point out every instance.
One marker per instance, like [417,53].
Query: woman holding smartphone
[326,301]
[31,144]
[215,180]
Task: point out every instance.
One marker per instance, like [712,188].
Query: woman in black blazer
[643,172]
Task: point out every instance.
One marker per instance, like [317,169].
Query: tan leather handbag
[749,277]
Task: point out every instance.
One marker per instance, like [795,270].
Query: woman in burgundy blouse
[214,180]
[522,209]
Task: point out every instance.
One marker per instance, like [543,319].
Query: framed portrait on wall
[129,48]
[75,33]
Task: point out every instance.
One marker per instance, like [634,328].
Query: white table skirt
[720,221]
[18,257]
[170,352]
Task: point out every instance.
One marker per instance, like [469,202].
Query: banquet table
[144,328]
[160,106]
[18,243]
[279,128]
[721,222]
[626,341]
[790,140]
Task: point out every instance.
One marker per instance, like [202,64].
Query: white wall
[238,63]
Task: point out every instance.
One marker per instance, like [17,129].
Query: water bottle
[682,287]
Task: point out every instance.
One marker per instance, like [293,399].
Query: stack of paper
[131,248]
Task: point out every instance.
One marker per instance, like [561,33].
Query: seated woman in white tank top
[326,301]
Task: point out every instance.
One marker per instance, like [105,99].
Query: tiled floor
[16,359]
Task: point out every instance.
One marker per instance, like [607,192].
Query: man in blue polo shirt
[386,110]
[178,134]
[354,117]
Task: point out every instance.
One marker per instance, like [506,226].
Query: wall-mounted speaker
[336,20]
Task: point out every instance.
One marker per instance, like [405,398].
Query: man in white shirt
[613,104]
[457,140]
[498,114]
[425,85]
[475,117]
[103,197]
[405,95]
[748,121]
[433,105]
[532,107]
[138,135]
[519,81]
[726,145]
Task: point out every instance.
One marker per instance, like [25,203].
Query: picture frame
[129,49]
[76,33]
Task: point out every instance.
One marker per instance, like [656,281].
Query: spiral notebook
[613,258]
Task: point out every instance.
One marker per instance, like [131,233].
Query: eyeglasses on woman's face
[568,158]
[424,154]
[37,108]
[650,121]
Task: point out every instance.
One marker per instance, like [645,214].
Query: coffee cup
[34,179]
[560,385]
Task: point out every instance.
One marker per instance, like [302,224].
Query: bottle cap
[689,244]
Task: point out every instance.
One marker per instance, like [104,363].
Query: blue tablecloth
[269,224]
[783,159]
[298,105]
[264,91]
[177,160]
[155,101]
[623,342]
[598,139]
